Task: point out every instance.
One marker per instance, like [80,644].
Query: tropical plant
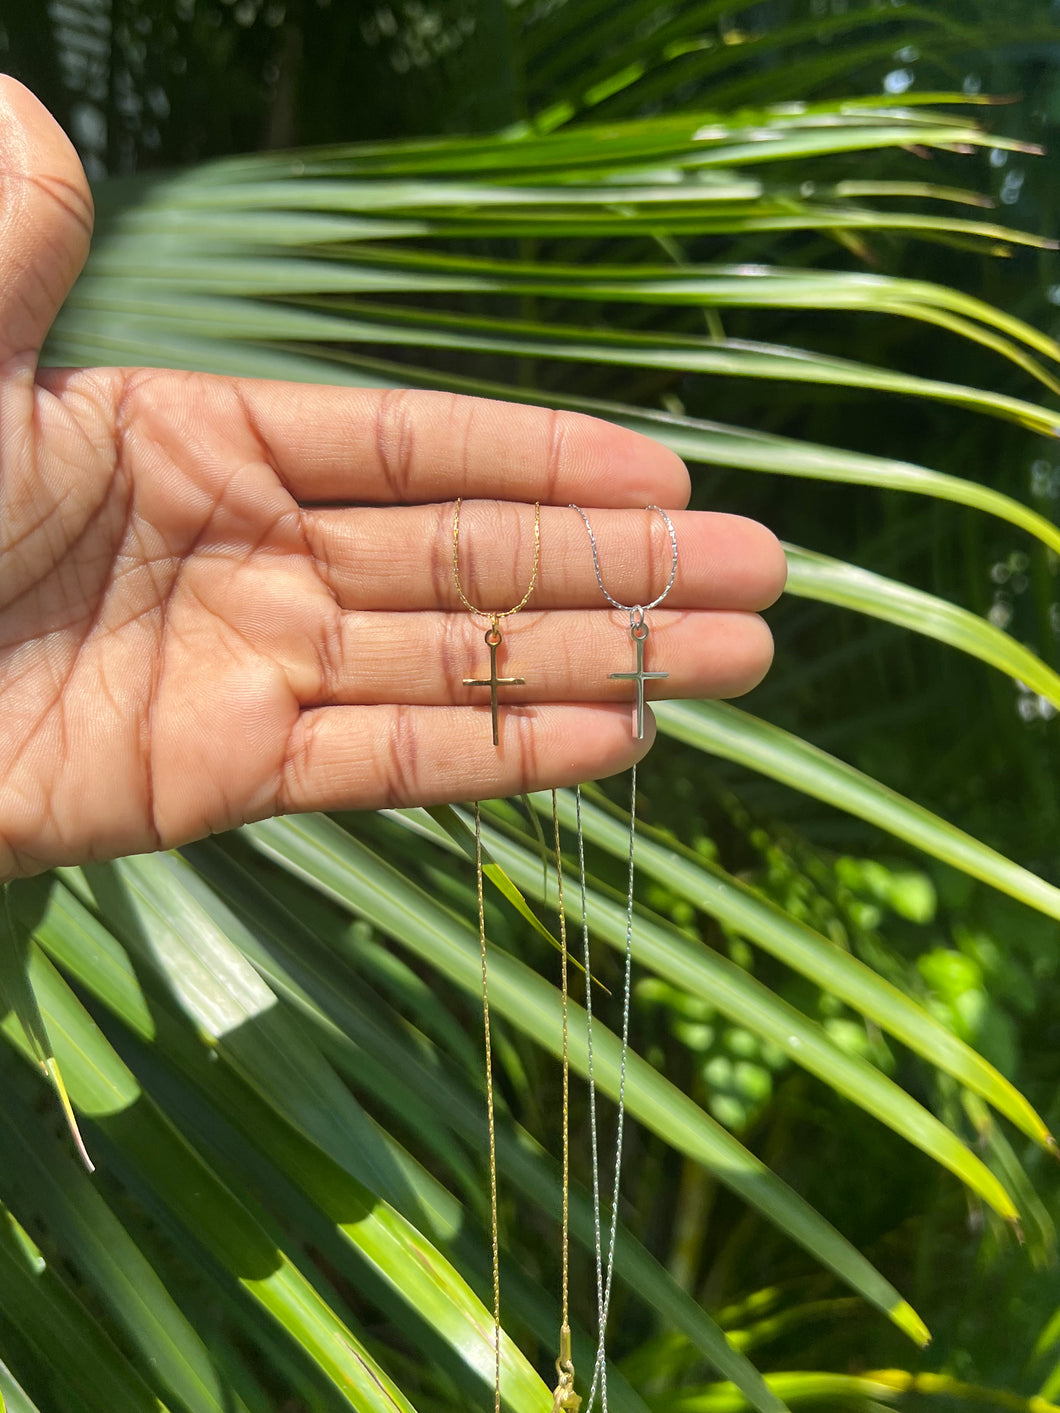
[269,1039]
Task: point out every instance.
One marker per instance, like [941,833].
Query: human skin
[224,599]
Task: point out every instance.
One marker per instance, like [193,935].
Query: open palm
[222,599]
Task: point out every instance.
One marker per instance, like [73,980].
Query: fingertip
[774,566]
[750,659]
[758,556]
[45,218]
[627,469]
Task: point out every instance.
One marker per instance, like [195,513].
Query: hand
[224,599]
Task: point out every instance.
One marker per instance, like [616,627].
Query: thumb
[45,223]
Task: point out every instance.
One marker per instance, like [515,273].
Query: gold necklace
[564,1399]
[493,640]
[490,1120]
[493,635]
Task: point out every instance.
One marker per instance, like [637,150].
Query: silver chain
[632,608]
[605,1271]
[604,1278]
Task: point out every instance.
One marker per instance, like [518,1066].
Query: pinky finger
[379,757]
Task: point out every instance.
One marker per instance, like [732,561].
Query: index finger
[394,446]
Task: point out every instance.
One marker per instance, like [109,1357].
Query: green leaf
[724,730]
[356,1035]
[458,831]
[13,1398]
[121,271]
[423,1286]
[93,1375]
[746,1000]
[748,914]
[378,324]
[103,1087]
[886,1384]
[57,1194]
[417,1273]
[331,860]
[828,580]
[175,926]
[16,995]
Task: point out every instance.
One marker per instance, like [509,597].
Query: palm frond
[265,1035]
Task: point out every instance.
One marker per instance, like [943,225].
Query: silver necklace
[638,624]
[638,631]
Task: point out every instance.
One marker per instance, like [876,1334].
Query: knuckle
[525,747]
[441,557]
[332,655]
[455,651]
[395,441]
[398,760]
[497,555]
[296,770]
[558,433]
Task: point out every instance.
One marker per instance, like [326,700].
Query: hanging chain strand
[641,608]
[494,615]
[598,1244]
[638,631]
[564,1399]
[494,1226]
[605,1274]
[566,1065]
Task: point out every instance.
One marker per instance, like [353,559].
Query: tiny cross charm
[493,641]
[565,1400]
[639,633]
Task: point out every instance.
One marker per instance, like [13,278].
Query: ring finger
[562,656]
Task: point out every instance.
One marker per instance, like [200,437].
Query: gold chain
[566,1063]
[564,1399]
[494,1227]
[489,613]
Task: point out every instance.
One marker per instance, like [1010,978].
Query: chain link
[632,609]
[494,617]
[605,1272]
[491,1122]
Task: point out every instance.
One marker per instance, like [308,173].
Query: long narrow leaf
[102,1086]
[94,1375]
[52,1188]
[724,730]
[521,1162]
[746,1000]
[744,911]
[817,576]
[329,859]
[15,1399]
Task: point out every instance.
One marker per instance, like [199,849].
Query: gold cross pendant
[564,1399]
[639,633]
[493,641]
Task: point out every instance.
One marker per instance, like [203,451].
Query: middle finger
[402,558]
